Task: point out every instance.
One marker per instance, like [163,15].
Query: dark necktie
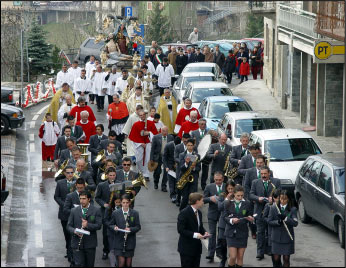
[254,162]
[243,152]
[196,214]
[266,185]
[85,210]
[282,210]
[237,207]
[202,133]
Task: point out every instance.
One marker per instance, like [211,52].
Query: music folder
[116,187]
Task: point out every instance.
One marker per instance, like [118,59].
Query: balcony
[297,21]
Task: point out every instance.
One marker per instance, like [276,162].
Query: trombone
[61,169]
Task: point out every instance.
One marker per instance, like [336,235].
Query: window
[162,5]
[325,179]
[305,167]
[313,172]
[188,21]
[188,5]
[149,5]
[148,19]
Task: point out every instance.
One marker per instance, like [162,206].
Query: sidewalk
[256,93]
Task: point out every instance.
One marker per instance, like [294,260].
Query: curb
[6,208]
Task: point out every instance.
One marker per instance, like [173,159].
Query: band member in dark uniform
[282,215]
[221,245]
[191,231]
[237,213]
[188,163]
[89,218]
[125,242]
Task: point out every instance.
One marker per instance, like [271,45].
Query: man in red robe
[88,127]
[184,115]
[141,142]
[82,107]
[190,125]
[117,115]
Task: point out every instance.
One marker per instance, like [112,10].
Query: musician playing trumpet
[189,163]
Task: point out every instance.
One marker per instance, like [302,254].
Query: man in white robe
[64,77]
[111,80]
[90,68]
[75,70]
[121,82]
[64,111]
[99,87]
[82,87]
[137,99]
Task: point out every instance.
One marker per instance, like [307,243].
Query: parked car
[320,192]
[234,124]
[254,41]
[287,149]
[184,79]
[205,67]
[248,43]
[224,46]
[11,117]
[176,45]
[197,91]
[7,95]
[88,48]
[214,108]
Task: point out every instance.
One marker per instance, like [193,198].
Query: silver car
[88,48]
[205,67]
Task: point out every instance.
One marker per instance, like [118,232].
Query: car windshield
[188,80]
[226,46]
[92,44]
[340,181]
[218,109]
[248,125]
[199,69]
[198,94]
[291,149]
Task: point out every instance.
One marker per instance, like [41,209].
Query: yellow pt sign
[323,50]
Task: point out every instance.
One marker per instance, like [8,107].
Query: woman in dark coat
[221,245]
[237,214]
[281,241]
[125,242]
[180,61]
[229,66]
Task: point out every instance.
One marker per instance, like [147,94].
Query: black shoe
[210,258]
[222,263]
[173,199]
[177,204]
[104,256]
[203,187]
[164,190]
[260,256]
[65,256]
[156,186]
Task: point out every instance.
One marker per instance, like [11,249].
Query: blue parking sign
[128,11]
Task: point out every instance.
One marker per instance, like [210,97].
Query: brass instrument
[140,181]
[230,173]
[100,156]
[267,160]
[187,176]
[83,147]
[62,167]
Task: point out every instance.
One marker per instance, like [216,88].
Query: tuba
[61,169]
[83,147]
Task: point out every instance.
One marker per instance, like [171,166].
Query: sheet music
[82,231]
[172,173]
[124,231]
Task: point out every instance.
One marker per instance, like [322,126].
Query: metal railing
[296,20]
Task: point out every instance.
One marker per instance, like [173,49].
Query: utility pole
[21,68]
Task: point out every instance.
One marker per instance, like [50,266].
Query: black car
[7,95]
[88,48]
[320,191]
[11,117]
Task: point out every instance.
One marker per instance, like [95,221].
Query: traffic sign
[128,11]
[324,50]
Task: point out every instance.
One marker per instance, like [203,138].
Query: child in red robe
[49,132]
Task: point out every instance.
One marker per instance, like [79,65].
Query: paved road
[36,237]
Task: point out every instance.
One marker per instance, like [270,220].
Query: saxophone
[230,173]
[187,176]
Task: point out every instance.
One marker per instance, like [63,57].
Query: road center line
[38,239]
[32,137]
[35,117]
[44,108]
[32,147]
[37,216]
[40,262]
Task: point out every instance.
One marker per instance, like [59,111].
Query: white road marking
[35,198]
[37,216]
[35,181]
[40,262]
[35,117]
[32,137]
[205,243]
[32,124]
[38,239]
[44,108]
[32,147]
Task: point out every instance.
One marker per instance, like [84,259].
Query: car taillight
[3,183]
[10,97]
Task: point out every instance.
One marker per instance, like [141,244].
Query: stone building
[304,64]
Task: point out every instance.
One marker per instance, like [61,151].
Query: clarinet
[81,238]
[125,235]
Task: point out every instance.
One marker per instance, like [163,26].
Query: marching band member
[218,153]
[84,246]
[111,137]
[184,115]
[61,143]
[238,152]
[76,131]
[260,194]
[95,141]
[190,125]
[237,213]
[66,154]
[81,172]
[188,162]
[211,195]
[88,127]
[248,161]
[64,187]
[102,197]
[64,111]
[282,238]
[125,243]
[168,110]
[139,136]
[82,107]
[117,116]
[221,244]
[82,86]
[158,145]
[72,199]
[101,176]
[191,231]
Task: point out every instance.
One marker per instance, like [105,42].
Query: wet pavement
[36,237]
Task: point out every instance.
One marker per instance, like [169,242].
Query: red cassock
[78,110]
[244,69]
[47,151]
[183,113]
[135,134]
[88,128]
[187,127]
